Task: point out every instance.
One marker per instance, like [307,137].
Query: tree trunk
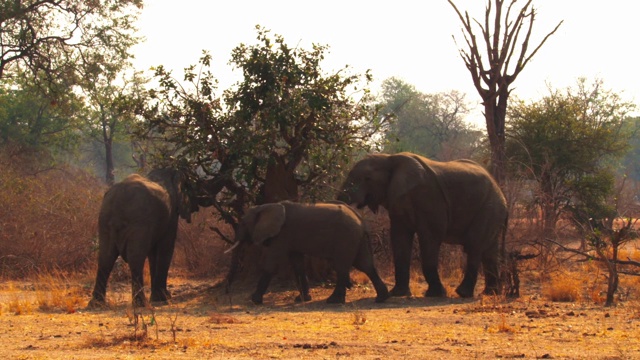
[280,183]
[495,119]
[110,177]
[612,285]
[548,207]
[107,139]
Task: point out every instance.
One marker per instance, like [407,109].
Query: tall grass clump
[564,288]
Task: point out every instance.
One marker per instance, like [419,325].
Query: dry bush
[48,220]
[564,287]
[199,250]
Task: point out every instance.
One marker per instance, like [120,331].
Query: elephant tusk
[232,247]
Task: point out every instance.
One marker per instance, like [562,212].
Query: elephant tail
[115,235]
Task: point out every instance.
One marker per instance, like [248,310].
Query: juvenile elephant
[456,202]
[289,230]
[139,219]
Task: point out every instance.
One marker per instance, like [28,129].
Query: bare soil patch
[204,322]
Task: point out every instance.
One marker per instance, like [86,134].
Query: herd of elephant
[456,202]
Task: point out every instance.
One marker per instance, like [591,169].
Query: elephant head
[378,179]
[261,223]
[183,198]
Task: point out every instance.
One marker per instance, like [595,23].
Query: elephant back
[327,223]
[133,198]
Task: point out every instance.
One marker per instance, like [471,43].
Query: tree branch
[594,258]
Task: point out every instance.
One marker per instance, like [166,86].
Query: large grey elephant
[139,219]
[456,202]
[288,231]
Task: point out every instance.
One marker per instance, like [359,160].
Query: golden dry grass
[204,322]
[564,287]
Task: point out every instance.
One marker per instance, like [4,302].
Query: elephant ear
[269,221]
[406,174]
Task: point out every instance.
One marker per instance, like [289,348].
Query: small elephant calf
[333,231]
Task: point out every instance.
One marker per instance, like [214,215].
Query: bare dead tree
[494,71]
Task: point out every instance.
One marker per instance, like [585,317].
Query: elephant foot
[336,299]
[256,299]
[140,303]
[436,291]
[160,298]
[160,303]
[382,297]
[303,298]
[464,292]
[400,291]
[97,304]
[493,291]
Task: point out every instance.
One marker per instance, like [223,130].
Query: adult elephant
[456,202]
[288,230]
[139,219]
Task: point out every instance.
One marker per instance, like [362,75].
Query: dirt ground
[203,322]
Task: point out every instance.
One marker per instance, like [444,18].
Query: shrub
[47,220]
[564,288]
[199,250]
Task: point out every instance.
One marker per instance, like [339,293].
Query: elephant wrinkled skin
[139,219]
[288,230]
[456,202]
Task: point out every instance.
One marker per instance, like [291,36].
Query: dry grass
[503,326]
[564,287]
[55,292]
[207,325]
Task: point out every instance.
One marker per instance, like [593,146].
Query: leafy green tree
[38,120]
[631,161]
[52,48]
[46,35]
[565,143]
[282,132]
[113,100]
[429,124]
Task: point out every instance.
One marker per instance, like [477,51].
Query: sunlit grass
[564,288]
[54,292]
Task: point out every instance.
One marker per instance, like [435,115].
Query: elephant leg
[273,257]
[263,284]
[160,271]
[430,253]
[297,261]
[491,271]
[401,241]
[107,256]
[340,292]
[468,284]
[364,263]
[136,265]
[153,271]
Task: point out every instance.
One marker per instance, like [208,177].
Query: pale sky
[411,40]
